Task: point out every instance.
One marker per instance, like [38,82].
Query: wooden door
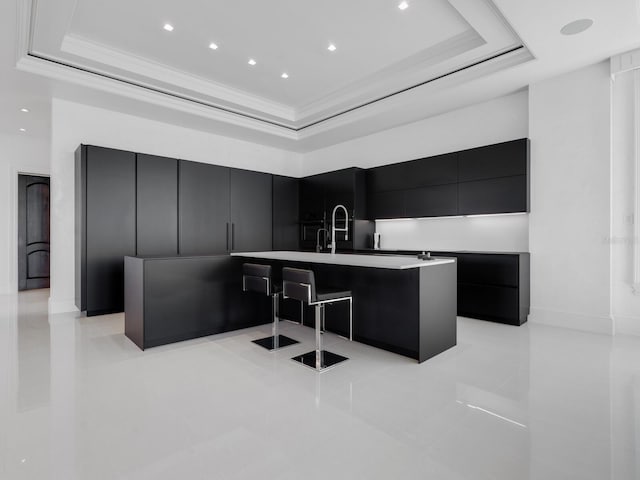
[33,232]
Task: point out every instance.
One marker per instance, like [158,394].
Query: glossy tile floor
[79,401]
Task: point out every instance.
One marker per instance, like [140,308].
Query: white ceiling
[390,67]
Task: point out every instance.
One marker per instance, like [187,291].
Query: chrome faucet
[326,232]
[335,229]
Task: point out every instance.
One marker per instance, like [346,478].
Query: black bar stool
[258,278]
[301,285]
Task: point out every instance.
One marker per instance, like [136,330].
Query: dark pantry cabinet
[285,212]
[105,226]
[156,205]
[223,209]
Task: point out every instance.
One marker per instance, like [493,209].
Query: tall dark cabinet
[285,213]
[203,209]
[105,226]
[250,211]
[156,205]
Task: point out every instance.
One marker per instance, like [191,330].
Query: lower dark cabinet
[179,298]
[503,195]
[488,302]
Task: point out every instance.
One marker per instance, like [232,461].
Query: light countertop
[354,260]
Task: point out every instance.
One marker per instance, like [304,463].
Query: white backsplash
[501,233]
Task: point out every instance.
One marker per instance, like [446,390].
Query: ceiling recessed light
[168,27]
[331,47]
[23,129]
[285,75]
[252,62]
[213,46]
[577,26]
[403,5]
[25,110]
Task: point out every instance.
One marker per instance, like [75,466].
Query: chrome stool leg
[320,360]
[275,341]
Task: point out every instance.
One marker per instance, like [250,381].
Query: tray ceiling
[381,51]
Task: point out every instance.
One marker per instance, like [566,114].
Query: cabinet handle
[227,247]
[233,236]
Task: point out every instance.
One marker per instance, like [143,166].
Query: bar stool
[258,278]
[300,285]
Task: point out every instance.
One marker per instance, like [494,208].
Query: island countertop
[354,260]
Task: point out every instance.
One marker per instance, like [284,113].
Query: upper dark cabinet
[312,199]
[386,177]
[434,201]
[494,195]
[493,161]
[485,180]
[156,205]
[438,170]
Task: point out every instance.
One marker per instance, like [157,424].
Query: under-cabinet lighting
[416,218]
[496,214]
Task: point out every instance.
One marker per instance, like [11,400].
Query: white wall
[569,127]
[19,153]
[73,124]
[497,120]
[625,292]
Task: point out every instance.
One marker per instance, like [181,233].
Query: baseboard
[575,321]
[627,325]
[62,305]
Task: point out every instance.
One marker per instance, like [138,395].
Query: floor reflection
[80,401]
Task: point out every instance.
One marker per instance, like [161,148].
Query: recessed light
[213,46]
[577,26]
[331,47]
[25,110]
[23,129]
[403,5]
[252,62]
[285,75]
[168,27]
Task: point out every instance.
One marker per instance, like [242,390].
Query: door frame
[13,221]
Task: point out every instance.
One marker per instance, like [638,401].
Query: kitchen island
[401,304]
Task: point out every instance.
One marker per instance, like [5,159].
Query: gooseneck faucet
[335,229]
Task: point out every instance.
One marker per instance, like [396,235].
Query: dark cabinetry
[156,205]
[484,180]
[251,211]
[493,286]
[285,213]
[223,209]
[319,195]
[105,226]
[203,208]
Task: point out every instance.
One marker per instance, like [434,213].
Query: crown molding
[216,93]
[76,76]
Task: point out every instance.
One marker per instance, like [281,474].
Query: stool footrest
[273,343]
[327,360]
